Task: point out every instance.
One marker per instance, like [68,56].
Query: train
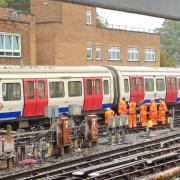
[27,90]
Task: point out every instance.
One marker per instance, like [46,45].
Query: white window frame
[89,48]
[89,17]
[115,50]
[133,54]
[150,55]
[4,50]
[98,49]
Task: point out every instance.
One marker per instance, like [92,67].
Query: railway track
[66,169]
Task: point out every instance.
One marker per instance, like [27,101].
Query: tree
[100,22]
[170,38]
[22,5]
[3,2]
[167,60]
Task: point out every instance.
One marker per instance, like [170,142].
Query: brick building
[65,34]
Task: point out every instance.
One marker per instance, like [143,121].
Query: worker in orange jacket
[109,113]
[143,113]
[122,107]
[132,113]
[162,111]
[153,112]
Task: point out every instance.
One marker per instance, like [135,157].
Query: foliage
[170,38]
[167,60]
[3,2]
[22,5]
[100,22]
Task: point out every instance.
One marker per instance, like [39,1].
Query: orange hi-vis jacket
[122,109]
[143,109]
[132,107]
[162,108]
[153,110]
[108,114]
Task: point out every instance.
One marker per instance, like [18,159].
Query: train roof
[145,69]
[53,69]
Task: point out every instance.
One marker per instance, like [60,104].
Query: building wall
[22,26]
[64,43]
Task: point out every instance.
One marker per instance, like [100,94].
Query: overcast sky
[129,19]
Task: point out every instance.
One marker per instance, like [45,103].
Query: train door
[137,88]
[107,95]
[178,98]
[42,96]
[35,96]
[126,90]
[92,93]
[171,89]
[98,94]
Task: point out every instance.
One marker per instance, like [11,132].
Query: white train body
[26,91]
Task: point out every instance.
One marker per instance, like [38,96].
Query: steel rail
[73,164]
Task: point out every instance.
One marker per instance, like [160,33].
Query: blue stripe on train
[109,105]
[10,115]
[65,109]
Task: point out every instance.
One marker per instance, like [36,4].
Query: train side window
[160,85]
[56,89]
[89,87]
[11,91]
[74,88]
[106,87]
[133,84]
[97,87]
[149,85]
[126,85]
[140,85]
[41,89]
[178,84]
[30,91]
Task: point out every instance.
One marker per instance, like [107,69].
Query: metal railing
[127,28]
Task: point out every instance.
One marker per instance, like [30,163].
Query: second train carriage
[146,83]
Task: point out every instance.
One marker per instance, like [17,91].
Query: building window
[133,54]
[149,55]
[89,52]
[88,17]
[10,45]
[114,53]
[98,52]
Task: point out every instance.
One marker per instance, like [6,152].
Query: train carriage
[145,83]
[26,91]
